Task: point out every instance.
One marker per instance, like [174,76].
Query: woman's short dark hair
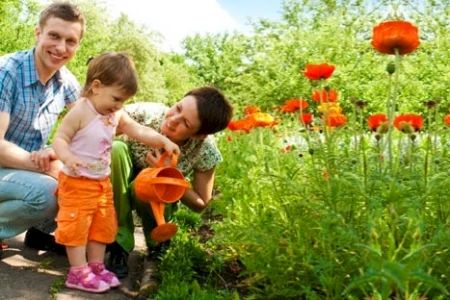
[214,110]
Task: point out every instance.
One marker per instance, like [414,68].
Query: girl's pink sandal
[86,280]
[107,276]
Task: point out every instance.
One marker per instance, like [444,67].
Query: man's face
[56,44]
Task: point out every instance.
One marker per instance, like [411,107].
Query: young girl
[86,218]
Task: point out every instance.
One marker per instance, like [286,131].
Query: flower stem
[391,105]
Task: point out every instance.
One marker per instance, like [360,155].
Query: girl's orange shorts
[86,211]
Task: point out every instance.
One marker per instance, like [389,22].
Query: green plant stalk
[402,242]
[327,150]
[392,102]
[363,150]
[410,154]
[427,153]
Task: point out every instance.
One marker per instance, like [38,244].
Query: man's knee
[42,197]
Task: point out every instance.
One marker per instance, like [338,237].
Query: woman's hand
[152,158]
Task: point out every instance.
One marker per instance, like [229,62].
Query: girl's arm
[198,197]
[70,124]
[144,134]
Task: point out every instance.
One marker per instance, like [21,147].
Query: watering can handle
[172,181]
[163,158]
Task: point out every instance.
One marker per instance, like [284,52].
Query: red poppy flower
[408,123]
[317,72]
[261,119]
[325,96]
[294,105]
[306,118]
[447,120]
[335,120]
[391,35]
[251,109]
[286,149]
[376,120]
[243,124]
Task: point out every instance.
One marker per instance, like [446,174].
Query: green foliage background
[363,232]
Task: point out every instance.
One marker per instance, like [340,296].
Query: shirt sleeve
[209,156]
[72,88]
[147,114]
[7,88]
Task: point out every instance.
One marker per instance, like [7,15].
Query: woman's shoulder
[144,107]
[208,155]
[146,112]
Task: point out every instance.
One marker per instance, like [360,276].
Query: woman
[190,124]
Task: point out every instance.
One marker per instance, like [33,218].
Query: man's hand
[42,159]
[55,167]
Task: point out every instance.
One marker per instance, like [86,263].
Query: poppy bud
[390,68]
[383,128]
[406,127]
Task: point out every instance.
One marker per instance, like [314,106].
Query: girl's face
[181,121]
[107,99]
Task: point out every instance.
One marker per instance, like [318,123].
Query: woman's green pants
[125,200]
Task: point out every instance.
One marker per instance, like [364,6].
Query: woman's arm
[199,195]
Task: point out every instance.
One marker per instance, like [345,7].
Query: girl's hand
[74,164]
[171,148]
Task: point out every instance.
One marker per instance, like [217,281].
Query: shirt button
[72,215]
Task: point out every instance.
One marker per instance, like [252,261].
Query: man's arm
[198,197]
[11,155]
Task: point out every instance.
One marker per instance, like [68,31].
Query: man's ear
[199,136]
[37,33]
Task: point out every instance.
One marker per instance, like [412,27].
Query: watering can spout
[158,186]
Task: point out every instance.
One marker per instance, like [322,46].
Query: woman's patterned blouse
[196,154]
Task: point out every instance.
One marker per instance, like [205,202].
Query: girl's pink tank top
[93,145]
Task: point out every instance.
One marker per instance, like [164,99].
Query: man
[35,87]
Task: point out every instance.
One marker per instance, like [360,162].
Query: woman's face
[181,121]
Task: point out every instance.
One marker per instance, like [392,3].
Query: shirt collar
[29,67]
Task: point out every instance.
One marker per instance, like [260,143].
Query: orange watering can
[159,186]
